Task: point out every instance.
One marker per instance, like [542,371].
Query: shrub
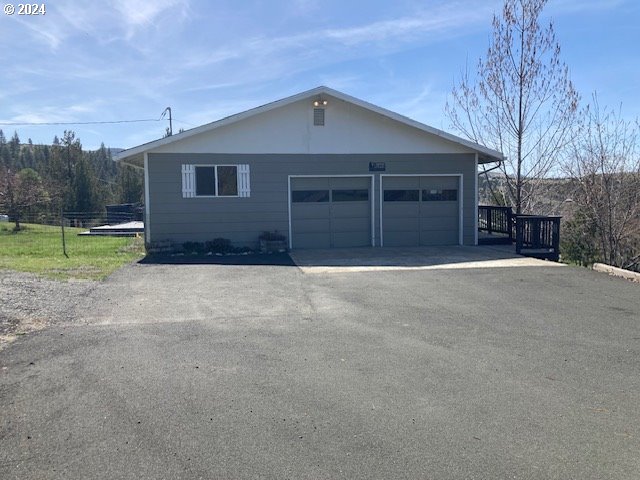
[219,245]
[272,237]
[578,241]
[193,247]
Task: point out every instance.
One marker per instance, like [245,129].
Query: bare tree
[604,164]
[521,102]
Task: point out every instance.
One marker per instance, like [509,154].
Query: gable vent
[318,116]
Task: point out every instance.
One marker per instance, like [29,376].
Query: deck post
[519,234]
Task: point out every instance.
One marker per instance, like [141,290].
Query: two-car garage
[339,211]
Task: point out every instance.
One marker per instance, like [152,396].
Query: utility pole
[170,129]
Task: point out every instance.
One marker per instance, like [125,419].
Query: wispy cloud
[43,114]
[305,7]
[212,59]
[270,57]
[573,6]
[105,23]
[47,33]
[137,14]
[400,28]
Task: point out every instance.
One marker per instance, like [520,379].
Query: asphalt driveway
[245,371]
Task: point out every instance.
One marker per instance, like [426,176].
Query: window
[205,181]
[439,195]
[216,181]
[360,195]
[309,196]
[401,195]
[227,181]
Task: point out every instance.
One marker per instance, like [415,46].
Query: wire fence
[68,234]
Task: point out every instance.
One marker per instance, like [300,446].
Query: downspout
[485,172]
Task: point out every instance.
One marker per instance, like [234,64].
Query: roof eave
[486,155]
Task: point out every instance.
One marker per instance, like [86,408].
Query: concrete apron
[369,259]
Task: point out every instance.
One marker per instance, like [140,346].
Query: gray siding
[241,220]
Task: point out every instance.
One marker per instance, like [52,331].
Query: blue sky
[128,59]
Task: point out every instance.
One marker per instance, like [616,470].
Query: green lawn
[38,249]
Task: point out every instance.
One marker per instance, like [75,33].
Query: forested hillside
[41,180]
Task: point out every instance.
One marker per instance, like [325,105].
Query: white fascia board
[493,155]
[213,125]
[497,156]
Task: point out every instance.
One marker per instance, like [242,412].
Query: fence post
[510,223]
[64,244]
[519,234]
[536,223]
[489,221]
[556,239]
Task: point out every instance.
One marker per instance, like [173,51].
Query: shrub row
[217,245]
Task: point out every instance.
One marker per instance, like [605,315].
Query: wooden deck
[128,229]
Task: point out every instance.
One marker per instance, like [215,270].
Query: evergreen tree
[56,176]
[76,180]
[85,193]
[27,155]
[71,152]
[130,185]
[4,151]
[14,152]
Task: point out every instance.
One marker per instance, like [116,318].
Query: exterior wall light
[320,103]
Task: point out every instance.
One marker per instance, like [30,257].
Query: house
[321,167]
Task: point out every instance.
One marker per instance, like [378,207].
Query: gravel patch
[29,302]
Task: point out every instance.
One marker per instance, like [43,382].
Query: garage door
[330,212]
[420,211]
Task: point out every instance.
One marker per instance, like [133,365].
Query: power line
[15,124]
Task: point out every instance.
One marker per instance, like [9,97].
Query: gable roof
[134,154]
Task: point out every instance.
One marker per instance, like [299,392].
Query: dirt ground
[29,302]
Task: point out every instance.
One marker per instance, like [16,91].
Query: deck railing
[538,236]
[497,222]
[535,235]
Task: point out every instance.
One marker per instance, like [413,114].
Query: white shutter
[188,181]
[244,184]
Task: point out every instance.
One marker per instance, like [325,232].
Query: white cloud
[121,19]
[49,33]
[574,6]
[327,44]
[305,7]
[140,14]
[50,114]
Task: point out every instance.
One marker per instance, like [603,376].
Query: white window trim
[243,180]
[460,198]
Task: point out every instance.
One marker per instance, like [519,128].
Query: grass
[38,249]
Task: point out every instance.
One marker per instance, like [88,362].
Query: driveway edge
[617,272]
